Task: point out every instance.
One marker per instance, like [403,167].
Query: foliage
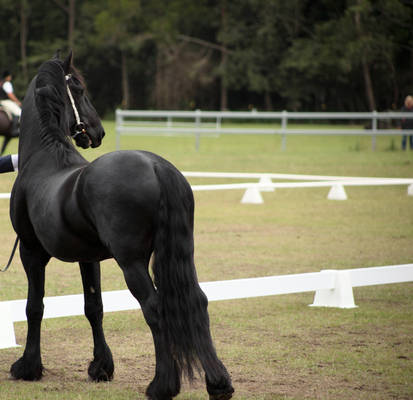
[272,54]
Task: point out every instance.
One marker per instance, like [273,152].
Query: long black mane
[50,95]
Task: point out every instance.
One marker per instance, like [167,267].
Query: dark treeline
[332,55]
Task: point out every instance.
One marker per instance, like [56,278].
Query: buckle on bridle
[80,129]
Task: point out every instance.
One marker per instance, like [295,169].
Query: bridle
[80,127]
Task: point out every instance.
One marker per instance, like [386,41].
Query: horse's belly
[67,245]
[75,251]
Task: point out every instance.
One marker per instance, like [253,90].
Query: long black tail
[183,305]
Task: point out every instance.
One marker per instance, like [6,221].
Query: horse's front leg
[101,368]
[29,366]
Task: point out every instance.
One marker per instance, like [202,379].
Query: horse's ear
[57,55]
[67,63]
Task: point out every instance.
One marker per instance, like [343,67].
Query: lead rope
[11,256]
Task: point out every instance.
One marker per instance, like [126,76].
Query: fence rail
[131,122]
[333,288]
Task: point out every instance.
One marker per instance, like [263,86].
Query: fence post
[218,124]
[197,127]
[340,296]
[7,336]
[374,129]
[284,120]
[119,123]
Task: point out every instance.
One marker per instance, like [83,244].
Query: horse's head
[85,125]
[59,83]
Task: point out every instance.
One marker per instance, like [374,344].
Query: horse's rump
[5,121]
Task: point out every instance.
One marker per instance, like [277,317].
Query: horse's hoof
[153,393]
[100,371]
[28,371]
[222,396]
[158,398]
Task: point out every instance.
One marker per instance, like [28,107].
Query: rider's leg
[8,163]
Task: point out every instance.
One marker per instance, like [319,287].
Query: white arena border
[252,189]
[270,175]
[333,288]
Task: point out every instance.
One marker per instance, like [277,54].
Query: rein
[80,128]
[11,256]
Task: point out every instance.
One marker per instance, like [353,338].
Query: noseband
[80,127]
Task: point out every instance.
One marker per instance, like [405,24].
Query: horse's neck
[31,143]
[29,139]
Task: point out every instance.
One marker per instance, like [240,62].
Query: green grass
[274,347]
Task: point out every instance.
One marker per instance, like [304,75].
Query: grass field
[274,347]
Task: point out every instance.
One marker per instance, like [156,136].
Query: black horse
[126,205]
[8,128]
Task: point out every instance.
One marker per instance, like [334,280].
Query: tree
[352,52]
[23,40]
[274,54]
[69,9]
[117,24]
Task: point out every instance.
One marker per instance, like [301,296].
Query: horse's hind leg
[101,368]
[167,381]
[29,366]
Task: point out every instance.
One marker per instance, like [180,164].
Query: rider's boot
[6,164]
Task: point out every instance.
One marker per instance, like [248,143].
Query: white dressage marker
[337,192]
[266,180]
[252,196]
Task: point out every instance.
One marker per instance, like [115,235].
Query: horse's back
[131,172]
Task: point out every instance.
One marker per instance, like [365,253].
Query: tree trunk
[411,66]
[368,85]
[23,40]
[125,81]
[224,89]
[393,78]
[70,11]
[224,58]
[365,66]
[268,101]
[71,24]
[161,81]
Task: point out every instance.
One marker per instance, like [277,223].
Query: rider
[8,163]
[8,100]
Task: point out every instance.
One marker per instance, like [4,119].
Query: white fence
[253,190]
[154,122]
[333,288]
